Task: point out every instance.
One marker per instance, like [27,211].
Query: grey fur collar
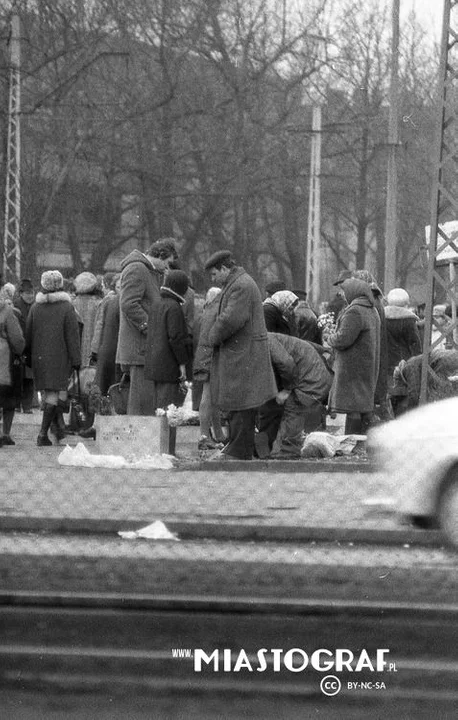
[54,297]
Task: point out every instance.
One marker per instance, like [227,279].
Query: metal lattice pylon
[443,235]
[11,237]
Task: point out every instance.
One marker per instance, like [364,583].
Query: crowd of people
[264,371]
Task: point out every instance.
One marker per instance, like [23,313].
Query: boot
[353,424]
[49,412]
[8,416]
[58,423]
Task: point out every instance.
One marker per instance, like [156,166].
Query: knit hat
[85,282]
[399,297]
[52,280]
[177,281]
[9,291]
[25,285]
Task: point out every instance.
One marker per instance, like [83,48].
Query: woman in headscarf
[279,312]
[356,343]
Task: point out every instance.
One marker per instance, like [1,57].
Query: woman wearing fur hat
[11,340]
[167,342]
[88,298]
[52,341]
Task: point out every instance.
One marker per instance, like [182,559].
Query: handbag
[118,395]
[80,418]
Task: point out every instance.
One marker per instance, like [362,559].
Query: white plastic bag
[155,531]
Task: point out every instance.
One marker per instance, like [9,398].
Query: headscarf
[284,300]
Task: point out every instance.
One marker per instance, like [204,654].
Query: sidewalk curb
[236,532]
[274,466]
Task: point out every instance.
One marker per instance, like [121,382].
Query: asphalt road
[110,660]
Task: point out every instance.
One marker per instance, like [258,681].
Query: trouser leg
[8,416]
[48,416]
[269,419]
[353,424]
[241,434]
[290,433]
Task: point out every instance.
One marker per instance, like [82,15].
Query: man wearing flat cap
[241,375]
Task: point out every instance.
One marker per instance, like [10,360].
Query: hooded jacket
[52,340]
[140,284]
[356,343]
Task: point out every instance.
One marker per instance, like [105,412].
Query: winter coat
[381,388]
[307,323]
[167,342]
[204,351]
[106,342]
[11,340]
[140,283]
[52,340]
[86,305]
[403,338]
[300,368]
[356,343]
[241,374]
[275,321]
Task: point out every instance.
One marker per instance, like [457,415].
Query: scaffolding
[12,221]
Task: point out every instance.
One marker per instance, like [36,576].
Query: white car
[419,454]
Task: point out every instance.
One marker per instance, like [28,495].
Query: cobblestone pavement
[33,484]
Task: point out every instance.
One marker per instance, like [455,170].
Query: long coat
[168,344]
[11,337]
[140,284]
[52,340]
[357,346]
[86,305]
[241,374]
[402,336]
[105,343]
[204,351]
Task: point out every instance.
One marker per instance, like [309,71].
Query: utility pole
[11,236]
[312,265]
[391,222]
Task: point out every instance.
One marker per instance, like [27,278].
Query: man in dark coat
[52,342]
[304,382]
[142,276]
[241,369]
[356,343]
[168,345]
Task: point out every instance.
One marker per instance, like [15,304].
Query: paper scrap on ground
[323,444]
[156,531]
[80,456]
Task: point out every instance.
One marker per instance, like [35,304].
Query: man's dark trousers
[241,434]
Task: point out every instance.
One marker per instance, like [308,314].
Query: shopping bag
[118,395]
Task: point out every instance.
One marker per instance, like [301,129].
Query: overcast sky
[429,14]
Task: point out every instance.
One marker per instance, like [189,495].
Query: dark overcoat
[241,374]
[52,340]
[107,369]
[356,343]
[300,368]
[402,336]
[168,344]
[140,284]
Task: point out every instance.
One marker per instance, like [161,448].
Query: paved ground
[34,485]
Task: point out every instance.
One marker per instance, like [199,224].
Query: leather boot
[48,416]
[353,424]
[58,423]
